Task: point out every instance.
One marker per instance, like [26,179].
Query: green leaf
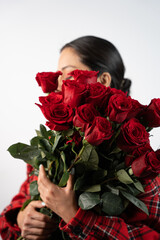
[131,189]
[45,144]
[93,188]
[43,131]
[112,204]
[56,168]
[24,152]
[115,150]
[46,211]
[64,160]
[43,154]
[25,204]
[123,177]
[82,184]
[138,203]
[38,133]
[35,141]
[89,157]
[60,169]
[34,188]
[68,133]
[88,200]
[56,141]
[79,183]
[139,186]
[98,175]
[64,179]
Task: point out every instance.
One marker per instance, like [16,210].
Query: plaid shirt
[133,224]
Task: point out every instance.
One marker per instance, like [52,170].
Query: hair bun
[125,85]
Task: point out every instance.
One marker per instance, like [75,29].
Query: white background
[31,34]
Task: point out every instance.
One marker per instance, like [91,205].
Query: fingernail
[40,166]
[43,204]
[72,172]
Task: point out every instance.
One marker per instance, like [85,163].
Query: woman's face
[69,61]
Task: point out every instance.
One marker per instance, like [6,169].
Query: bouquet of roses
[100,132]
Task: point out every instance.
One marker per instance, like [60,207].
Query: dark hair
[101,55]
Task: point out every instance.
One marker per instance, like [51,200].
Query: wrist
[68,215]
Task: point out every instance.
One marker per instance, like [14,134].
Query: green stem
[76,159]
[20,238]
[116,135]
[109,180]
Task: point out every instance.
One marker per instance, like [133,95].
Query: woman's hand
[62,201]
[33,224]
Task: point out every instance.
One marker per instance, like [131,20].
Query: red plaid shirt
[134,224]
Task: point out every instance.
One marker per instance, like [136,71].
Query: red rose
[152,114]
[100,130]
[137,108]
[48,81]
[137,153]
[146,166]
[84,76]
[119,107]
[84,116]
[74,93]
[133,135]
[99,95]
[59,116]
[52,98]
[118,91]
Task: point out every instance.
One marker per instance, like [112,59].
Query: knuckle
[50,190]
[47,199]
[28,214]
[25,223]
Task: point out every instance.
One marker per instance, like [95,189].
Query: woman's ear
[105,79]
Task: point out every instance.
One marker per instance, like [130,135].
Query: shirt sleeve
[8,224]
[134,224]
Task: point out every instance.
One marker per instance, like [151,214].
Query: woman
[85,53]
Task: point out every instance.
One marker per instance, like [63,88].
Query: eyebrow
[68,66]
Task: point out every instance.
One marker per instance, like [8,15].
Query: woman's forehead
[69,59]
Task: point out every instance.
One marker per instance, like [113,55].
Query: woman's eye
[68,78]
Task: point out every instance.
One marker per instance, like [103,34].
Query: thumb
[70,182]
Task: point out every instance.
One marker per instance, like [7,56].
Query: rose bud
[119,107]
[52,98]
[152,113]
[99,95]
[84,76]
[132,135]
[84,116]
[100,130]
[137,152]
[48,81]
[74,93]
[59,116]
[146,166]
